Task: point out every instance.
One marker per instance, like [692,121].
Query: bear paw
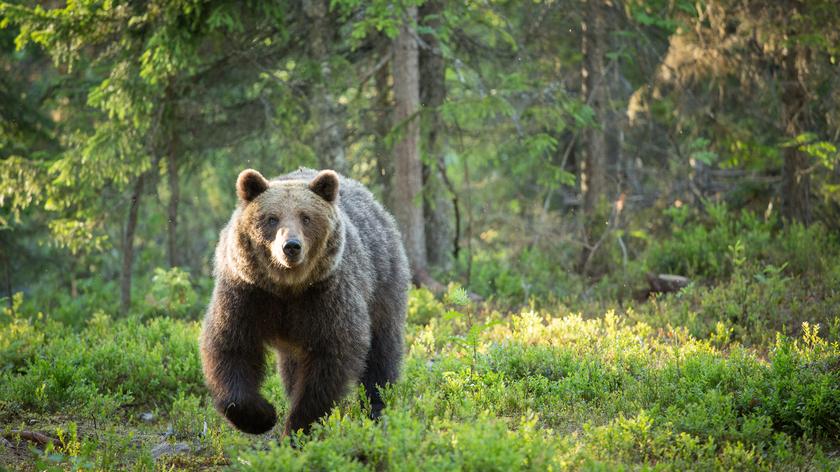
[376,410]
[252,417]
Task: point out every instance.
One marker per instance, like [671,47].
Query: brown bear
[313,267]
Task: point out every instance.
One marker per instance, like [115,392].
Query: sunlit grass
[524,391]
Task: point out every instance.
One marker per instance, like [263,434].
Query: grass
[480,391]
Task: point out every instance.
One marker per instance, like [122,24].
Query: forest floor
[480,390]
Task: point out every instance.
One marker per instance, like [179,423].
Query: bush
[107,364]
[750,308]
[92,295]
[528,277]
[709,247]
[171,294]
[423,306]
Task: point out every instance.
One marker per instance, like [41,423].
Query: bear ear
[250,185]
[325,184]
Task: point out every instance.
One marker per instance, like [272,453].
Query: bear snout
[292,248]
[288,251]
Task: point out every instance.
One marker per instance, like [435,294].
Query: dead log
[666,283]
[40,439]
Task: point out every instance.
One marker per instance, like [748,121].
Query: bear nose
[292,248]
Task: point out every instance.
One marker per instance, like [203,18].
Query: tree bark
[327,113]
[614,128]
[593,166]
[407,179]
[438,210]
[384,119]
[174,199]
[128,244]
[594,43]
[7,269]
[796,183]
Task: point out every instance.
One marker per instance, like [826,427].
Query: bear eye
[272,221]
[305,219]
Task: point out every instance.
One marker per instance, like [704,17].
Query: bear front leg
[234,369]
[320,382]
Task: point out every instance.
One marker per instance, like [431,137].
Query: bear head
[290,228]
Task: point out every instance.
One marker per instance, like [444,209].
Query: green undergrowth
[479,391]
[751,278]
[751,307]
[48,367]
[710,246]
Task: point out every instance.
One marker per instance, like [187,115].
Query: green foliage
[105,365]
[19,186]
[188,416]
[171,293]
[92,295]
[457,297]
[422,306]
[699,151]
[128,72]
[520,278]
[379,16]
[711,246]
[750,308]
[758,281]
[528,391]
[20,339]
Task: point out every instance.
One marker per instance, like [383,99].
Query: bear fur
[313,267]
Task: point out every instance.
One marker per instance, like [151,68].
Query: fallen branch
[666,283]
[39,439]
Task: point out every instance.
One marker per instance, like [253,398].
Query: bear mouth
[290,265]
[285,263]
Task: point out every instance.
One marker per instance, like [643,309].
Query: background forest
[545,160]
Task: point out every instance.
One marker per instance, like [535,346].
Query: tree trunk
[384,120]
[437,208]
[614,129]
[796,184]
[327,113]
[407,179]
[174,198]
[593,168]
[7,269]
[128,244]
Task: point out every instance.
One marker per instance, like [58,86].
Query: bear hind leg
[320,382]
[382,368]
[288,371]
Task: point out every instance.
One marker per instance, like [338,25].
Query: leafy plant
[171,292]
[457,297]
